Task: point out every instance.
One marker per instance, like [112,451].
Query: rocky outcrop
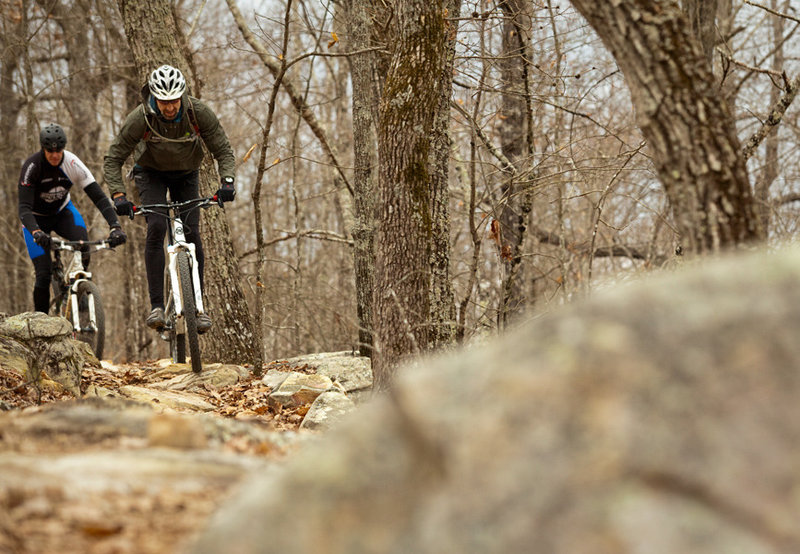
[140,467]
[41,348]
[657,417]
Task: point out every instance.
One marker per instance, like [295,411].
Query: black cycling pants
[68,224]
[152,186]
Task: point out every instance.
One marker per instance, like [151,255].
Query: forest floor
[105,488]
[242,401]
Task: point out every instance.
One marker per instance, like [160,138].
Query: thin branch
[773,12]
[601,201]
[196,19]
[317,234]
[748,67]
[506,164]
[296,98]
[774,117]
[318,54]
[614,250]
[788,198]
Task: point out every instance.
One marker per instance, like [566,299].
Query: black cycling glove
[117,237]
[41,238]
[226,191]
[123,206]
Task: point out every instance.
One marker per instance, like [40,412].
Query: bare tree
[691,134]
[515,143]
[361,23]
[17,272]
[404,240]
[442,303]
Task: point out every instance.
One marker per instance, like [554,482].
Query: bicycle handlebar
[79,245]
[199,203]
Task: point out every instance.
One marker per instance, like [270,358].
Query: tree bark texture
[515,204]
[403,274]
[17,283]
[689,130]
[368,72]
[702,16]
[443,308]
[769,172]
[152,34]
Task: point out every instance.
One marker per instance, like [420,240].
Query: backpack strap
[149,130]
[192,117]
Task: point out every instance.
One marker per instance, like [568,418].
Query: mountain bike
[75,296]
[182,291]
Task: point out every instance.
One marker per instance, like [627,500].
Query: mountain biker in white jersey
[45,206]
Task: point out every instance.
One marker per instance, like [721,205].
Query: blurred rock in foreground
[659,417]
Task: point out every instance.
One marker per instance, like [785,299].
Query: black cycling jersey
[44,188]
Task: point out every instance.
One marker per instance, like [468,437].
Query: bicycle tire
[95,339]
[177,343]
[189,311]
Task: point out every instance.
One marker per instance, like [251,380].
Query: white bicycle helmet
[167,83]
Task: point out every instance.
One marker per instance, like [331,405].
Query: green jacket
[167,145]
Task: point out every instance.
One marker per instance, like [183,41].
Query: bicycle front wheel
[90,304]
[177,341]
[189,311]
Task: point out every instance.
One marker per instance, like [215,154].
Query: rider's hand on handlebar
[117,236]
[41,238]
[226,191]
[123,205]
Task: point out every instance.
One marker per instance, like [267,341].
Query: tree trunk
[688,129]
[152,34]
[367,73]
[82,106]
[17,273]
[702,16]
[402,270]
[443,309]
[515,203]
[769,172]
[140,342]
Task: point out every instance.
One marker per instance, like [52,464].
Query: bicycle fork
[172,252]
[179,243]
[76,316]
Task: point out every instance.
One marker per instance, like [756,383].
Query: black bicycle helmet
[53,137]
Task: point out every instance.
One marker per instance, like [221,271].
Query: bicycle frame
[73,275]
[177,242]
[182,273]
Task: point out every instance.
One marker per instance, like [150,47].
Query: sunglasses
[54,150]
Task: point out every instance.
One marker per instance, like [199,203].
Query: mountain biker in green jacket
[166,134]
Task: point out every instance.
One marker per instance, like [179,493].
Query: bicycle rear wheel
[189,311]
[94,335]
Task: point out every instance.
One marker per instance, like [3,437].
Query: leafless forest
[564,146]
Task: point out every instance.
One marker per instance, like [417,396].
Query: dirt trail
[109,475]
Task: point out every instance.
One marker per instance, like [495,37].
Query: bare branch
[788,198]
[773,12]
[317,234]
[296,98]
[613,250]
[752,68]
[507,166]
[773,119]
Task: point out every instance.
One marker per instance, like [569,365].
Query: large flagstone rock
[658,417]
